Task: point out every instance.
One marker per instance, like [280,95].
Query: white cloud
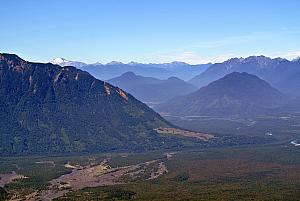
[225,41]
[290,54]
[192,58]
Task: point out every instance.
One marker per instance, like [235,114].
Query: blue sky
[192,31]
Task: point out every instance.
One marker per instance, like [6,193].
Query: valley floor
[248,173]
[251,172]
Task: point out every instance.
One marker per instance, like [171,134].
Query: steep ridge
[47,108]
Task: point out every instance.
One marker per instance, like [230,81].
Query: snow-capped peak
[59,61]
[64,62]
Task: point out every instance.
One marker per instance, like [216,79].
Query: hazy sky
[192,31]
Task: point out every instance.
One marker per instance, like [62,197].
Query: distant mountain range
[148,89]
[280,73]
[236,94]
[114,69]
[46,108]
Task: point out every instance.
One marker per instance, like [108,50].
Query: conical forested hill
[236,94]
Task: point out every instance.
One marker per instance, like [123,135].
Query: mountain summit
[236,94]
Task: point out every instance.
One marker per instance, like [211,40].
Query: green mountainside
[45,108]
